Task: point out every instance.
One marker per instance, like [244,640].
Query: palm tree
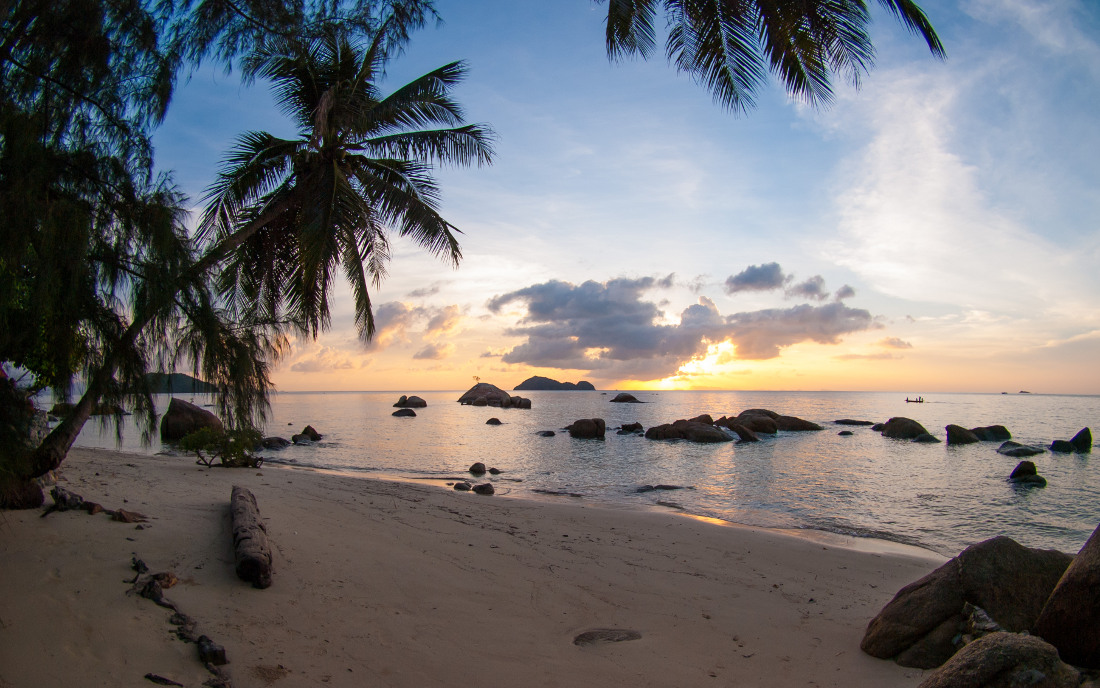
[289,215]
[730,46]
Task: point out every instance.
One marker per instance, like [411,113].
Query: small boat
[918,400]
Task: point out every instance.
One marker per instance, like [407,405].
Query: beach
[389,583]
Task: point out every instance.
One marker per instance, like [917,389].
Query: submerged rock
[687,430]
[588,429]
[992,433]
[1017,450]
[631,429]
[956,434]
[624,398]
[903,428]
[849,421]
[1082,441]
[1026,474]
[1062,447]
[410,402]
[927,438]
[404,413]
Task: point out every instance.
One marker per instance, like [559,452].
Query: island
[544,384]
[178,383]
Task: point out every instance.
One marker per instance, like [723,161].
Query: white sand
[395,584]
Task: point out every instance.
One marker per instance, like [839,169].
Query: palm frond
[630,29]
[466,145]
[914,18]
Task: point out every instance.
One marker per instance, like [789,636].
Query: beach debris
[588,429]
[484,489]
[977,623]
[597,636]
[926,438]
[124,516]
[957,434]
[546,433]
[63,500]
[410,402]
[138,565]
[160,680]
[1071,616]
[252,550]
[463,486]
[992,433]
[1007,580]
[404,413]
[624,398]
[210,652]
[92,508]
[1025,473]
[849,421]
[485,394]
[1017,450]
[691,431]
[493,421]
[183,418]
[1005,659]
[477,468]
[901,428]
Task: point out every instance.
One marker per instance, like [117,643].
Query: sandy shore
[396,584]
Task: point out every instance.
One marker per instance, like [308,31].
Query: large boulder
[410,402]
[903,429]
[957,434]
[588,429]
[1009,581]
[795,424]
[689,430]
[183,418]
[744,433]
[1025,473]
[758,422]
[1082,441]
[1071,618]
[1005,660]
[484,394]
[759,412]
[404,413]
[992,433]
[624,398]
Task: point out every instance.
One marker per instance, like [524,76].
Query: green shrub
[231,449]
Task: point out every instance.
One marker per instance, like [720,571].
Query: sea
[938,497]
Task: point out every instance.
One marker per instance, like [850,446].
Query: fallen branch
[250,545]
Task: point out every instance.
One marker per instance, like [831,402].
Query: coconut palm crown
[730,46]
[286,216]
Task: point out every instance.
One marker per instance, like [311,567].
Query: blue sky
[956,201]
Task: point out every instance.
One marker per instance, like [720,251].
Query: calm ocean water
[931,495]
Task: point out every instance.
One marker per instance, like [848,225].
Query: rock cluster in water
[485,394]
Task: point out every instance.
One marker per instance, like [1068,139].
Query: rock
[624,398]
[210,652]
[1017,450]
[744,433]
[404,413]
[312,434]
[877,427]
[493,421]
[1082,441]
[759,412]
[495,471]
[849,421]
[588,429]
[410,402]
[652,488]
[1025,473]
[992,433]
[631,429]
[463,486]
[274,443]
[794,424]
[546,433]
[956,434]
[478,468]
[182,419]
[1009,581]
[1071,618]
[687,430]
[1005,660]
[926,438]
[484,489]
[903,429]
[1061,446]
[546,384]
[484,394]
[845,433]
[521,403]
[758,422]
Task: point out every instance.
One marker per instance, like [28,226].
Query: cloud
[764,277]
[868,357]
[609,330]
[894,343]
[434,352]
[444,322]
[327,359]
[430,290]
[396,322]
[845,292]
[813,288]
[761,334]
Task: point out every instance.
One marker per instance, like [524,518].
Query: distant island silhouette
[178,383]
[542,384]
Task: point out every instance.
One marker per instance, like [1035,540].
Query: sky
[935,230]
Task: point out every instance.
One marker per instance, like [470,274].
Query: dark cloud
[894,343]
[430,290]
[813,288]
[761,334]
[764,277]
[607,329]
[845,292]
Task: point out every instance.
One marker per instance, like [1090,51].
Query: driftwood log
[250,545]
